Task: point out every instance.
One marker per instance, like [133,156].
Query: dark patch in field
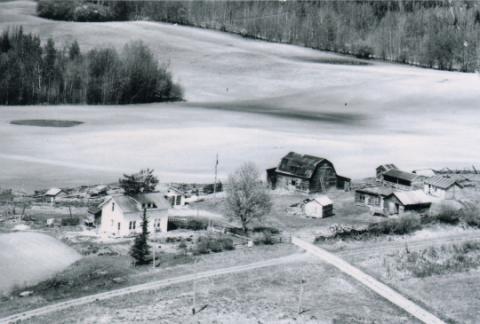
[330,60]
[259,107]
[46,122]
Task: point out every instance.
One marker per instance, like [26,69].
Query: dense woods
[436,34]
[33,73]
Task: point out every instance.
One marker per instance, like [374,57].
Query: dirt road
[380,288]
[148,286]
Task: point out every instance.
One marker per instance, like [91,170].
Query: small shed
[319,207]
[52,194]
[400,202]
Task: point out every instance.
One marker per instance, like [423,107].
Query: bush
[71,221]
[399,226]
[57,9]
[265,238]
[271,230]
[189,223]
[207,244]
[92,12]
[471,216]
[448,215]
[363,51]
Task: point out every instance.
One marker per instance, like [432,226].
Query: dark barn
[306,173]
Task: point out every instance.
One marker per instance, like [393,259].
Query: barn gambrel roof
[302,166]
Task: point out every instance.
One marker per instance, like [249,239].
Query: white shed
[319,207]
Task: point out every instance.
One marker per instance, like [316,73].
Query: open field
[454,295]
[242,298]
[358,116]
[28,258]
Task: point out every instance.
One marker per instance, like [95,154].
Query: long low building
[306,173]
[372,196]
[400,202]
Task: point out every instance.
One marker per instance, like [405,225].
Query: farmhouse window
[113,206]
[179,200]
[134,224]
[119,226]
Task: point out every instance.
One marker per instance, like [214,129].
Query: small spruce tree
[140,250]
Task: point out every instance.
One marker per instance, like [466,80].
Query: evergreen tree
[140,250]
[144,181]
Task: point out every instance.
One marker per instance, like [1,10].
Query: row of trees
[440,34]
[32,73]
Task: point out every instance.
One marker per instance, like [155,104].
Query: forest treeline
[436,34]
[32,73]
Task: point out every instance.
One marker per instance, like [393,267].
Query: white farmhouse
[122,215]
[442,187]
[319,207]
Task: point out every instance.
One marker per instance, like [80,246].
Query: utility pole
[154,252]
[300,297]
[215,182]
[194,299]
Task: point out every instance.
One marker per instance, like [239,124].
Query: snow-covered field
[28,257]
[247,100]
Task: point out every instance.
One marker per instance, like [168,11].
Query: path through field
[27,258]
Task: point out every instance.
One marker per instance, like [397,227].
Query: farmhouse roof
[53,192]
[415,197]
[298,165]
[442,182]
[378,191]
[156,198]
[399,174]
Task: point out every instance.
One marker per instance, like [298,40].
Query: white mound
[27,258]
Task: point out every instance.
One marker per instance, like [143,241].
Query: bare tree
[247,197]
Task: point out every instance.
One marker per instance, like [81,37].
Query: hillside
[304,100]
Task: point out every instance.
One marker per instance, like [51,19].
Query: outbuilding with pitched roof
[443,187]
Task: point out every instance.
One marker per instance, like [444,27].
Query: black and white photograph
[240,161]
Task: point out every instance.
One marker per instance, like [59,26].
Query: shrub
[57,9]
[265,238]
[399,226]
[71,221]
[363,51]
[189,223]
[447,214]
[271,230]
[92,12]
[207,244]
[471,216]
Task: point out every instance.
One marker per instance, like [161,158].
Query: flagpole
[215,182]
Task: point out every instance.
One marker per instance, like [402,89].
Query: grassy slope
[31,257]
[358,116]
[242,298]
